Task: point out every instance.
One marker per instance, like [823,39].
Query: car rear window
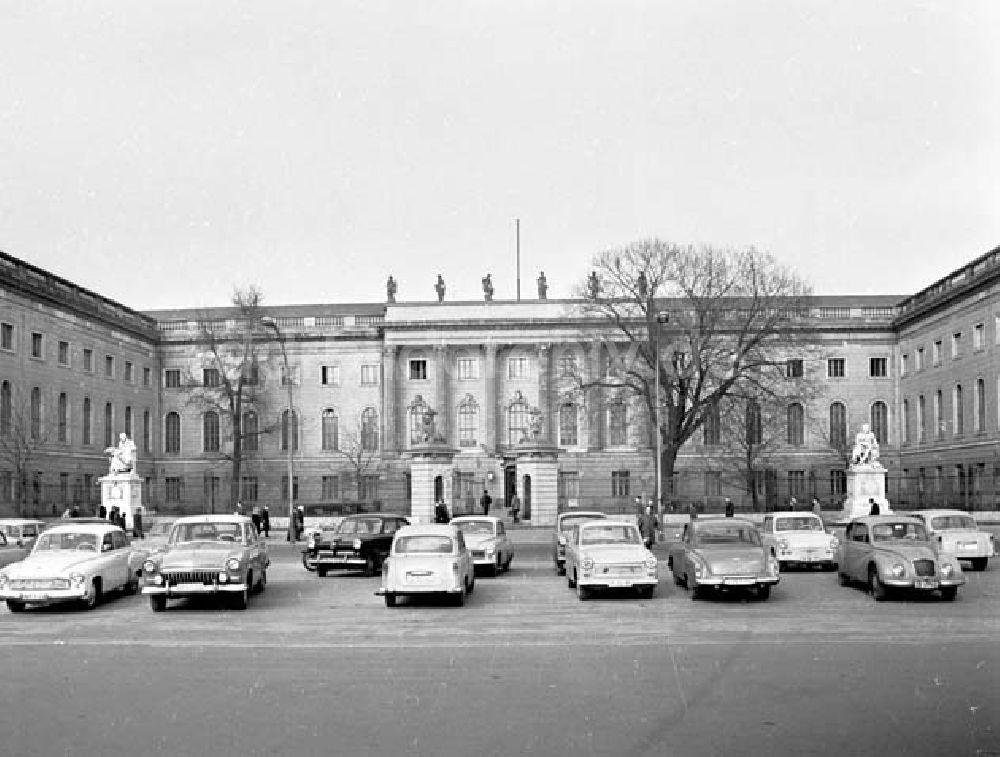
[610,535]
[567,523]
[945,522]
[71,540]
[475,527]
[798,523]
[891,531]
[718,533]
[424,544]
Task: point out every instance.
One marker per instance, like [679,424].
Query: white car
[609,554]
[73,563]
[956,533]
[487,540]
[564,525]
[799,538]
[427,560]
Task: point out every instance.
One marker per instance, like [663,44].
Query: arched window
[518,421]
[710,425]
[959,419]
[289,429]
[468,423]
[145,431]
[251,432]
[172,434]
[907,420]
[921,418]
[796,424]
[754,428]
[838,425]
[617,423]
[109,425]
[330,433]
[210,432]
[36,413]
[880,422]
[128,421]
[568,425]
[369,429]
[87,421]
[980,417]
[415,415]
[62,421]
[6,408]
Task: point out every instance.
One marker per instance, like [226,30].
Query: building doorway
[526,504]
[509,484]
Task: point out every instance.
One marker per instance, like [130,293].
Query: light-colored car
[22,531]
[798,538]
[75,562]
[157,534]
[723,554]
[957,533]
[426,560]
[487,540]
[894,552]
[609,554]
[11,552]
[564,524]
[206,555]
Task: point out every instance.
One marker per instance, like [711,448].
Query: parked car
[723,554]
[207,555]
[157,534]
[888,552]
[609,554]
[427,560]
[75,562]
[487,540]
[22,531]
[798,538]
[11,552]
[564,524]
[360,542]
[957,533]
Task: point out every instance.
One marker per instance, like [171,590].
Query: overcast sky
[162,153]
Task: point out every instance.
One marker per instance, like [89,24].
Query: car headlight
[834,542]
[77,579]
[947,570]
[148,567]
[897,570]
[700,566]
[651,562]
[782,544]
[357,544]
[223,577]
[773,566]
[233,564]
[587,563]
[490,551]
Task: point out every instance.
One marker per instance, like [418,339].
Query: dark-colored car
[360,542]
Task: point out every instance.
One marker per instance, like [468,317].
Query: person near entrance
[485,501]
[515,508]
[441,512]
[647,527]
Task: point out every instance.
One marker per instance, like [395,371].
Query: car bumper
[339,561]
[930,584]
[382,591]
[617,583]
[968,554]
[721,582]
[807,556]
[44,596]
[192,590]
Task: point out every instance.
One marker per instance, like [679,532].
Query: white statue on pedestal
[865,450]
[121,459]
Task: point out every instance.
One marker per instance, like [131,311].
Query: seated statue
[121,459]
[865,450]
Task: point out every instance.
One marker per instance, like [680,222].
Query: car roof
[583,514]
[604,522]
[792,513]
[870,519]
[213,519]
[940,511]
[465,518]
[20,521]
[439,529]
[356,516]
[87,528]
[720,519]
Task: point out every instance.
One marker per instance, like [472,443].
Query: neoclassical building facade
[345,389]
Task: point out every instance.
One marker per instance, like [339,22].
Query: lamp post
[279,335]
[662,318]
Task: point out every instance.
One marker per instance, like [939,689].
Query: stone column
[545,399]
[595,400]
[442,401]
[490,405]
[390,411]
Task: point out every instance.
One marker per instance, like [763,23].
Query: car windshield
[66,540]
[952,522]
[482,527]
[568,521]
[894,531]
[216,532]
[617,534]
[798,523]
[360,526]
[721,533]
[432,544]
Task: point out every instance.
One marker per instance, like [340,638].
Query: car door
[855,549]
[464,558]
[255,550]
[113,561]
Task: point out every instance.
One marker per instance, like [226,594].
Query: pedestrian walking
[265,521]
[648,524]
[255,517]
[485,501]
[441,512]
[137,524]
[730,508]
[817,507]
[515,508]
[874,506]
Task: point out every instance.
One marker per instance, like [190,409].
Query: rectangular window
[6,337]
[878,367]
[172,378]
[369,375]
[109,366]
[936,352]
[956,345]
[418,370]
[835,367]
[147,377]
[129,372]
[838,483]
[794,368]
[567,366]
[329,375]
[904,365]
[919,359]
[568,488]
[249,488]
[210,377]
[88,360]
[289,375]
[173,487]
[284,488]
[36,345]
[517,368]
[63,353]
[331,488]
[619,483]
[796,483]
[979,336]
[468,368]
[369,488]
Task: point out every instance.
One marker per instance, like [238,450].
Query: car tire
[158,602]
[241,600]
[321,571]
[843,579]
[496,567]
[93,597]
[762,592]
[460,597]
[307,563]
[390,599]
[948,593]
[979,563]
[875,585]
[262,583]
[14,606]
[582,592]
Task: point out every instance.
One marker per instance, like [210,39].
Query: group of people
[441,514]
[261,517]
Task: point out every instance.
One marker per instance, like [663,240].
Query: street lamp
[662,318]
[273,325]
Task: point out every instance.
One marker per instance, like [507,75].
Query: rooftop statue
[543,286]
[439,288]
[488,287]
[390,290]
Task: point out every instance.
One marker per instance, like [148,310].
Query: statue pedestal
[537,482]
[124,491]
[429,461]
[864,483]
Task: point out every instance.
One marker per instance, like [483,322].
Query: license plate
[33,596]
[739,581]
[618,583]
[969,545]
[188,587]
[925,583]
[419,578]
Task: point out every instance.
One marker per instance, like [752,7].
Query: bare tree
[24,435]
[360,447]
[711,323]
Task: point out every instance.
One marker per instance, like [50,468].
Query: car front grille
[923,567]
[28,584]
[624,569]
[190,576]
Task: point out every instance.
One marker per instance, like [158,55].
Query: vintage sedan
[75,562]
[609,554]
[957,533]
[22,531]
[428,560]
[798,538]
[207,555]
[564,525]
[360,542]
[487,540]
[723,554]
[887,552]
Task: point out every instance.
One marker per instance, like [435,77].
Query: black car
[360,542]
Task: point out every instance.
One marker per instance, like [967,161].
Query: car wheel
[569,579]
[875,584]
[371,566]
[92,597]
[763,592]
[843,579]
[158,602]
[979,563]
[460,597]
[390,599]
[14,606]
[582,592]
[307,563]
[262,583]
[496,567]
[241,600]
[948,593]
[321,571]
